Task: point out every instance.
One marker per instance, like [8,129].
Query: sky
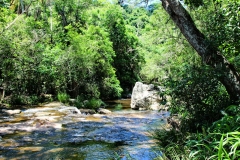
[141,4]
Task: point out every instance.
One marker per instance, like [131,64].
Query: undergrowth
[219,141]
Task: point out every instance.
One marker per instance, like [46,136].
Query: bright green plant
[219,20]
[87,64]
[220,141]
[94,103]
[128,60]
[215,146]
[229,146]
[44,53]
[118,107]
[63,97]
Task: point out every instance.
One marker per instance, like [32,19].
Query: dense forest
[99,49]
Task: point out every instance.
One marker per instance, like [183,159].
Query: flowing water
[56,132]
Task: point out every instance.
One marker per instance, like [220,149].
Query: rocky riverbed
[55,131]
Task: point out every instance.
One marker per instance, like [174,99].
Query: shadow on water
[118,105]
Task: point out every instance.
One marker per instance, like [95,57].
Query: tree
[164,48]
[49,47]
[210,54]
[86,64]
[128,59]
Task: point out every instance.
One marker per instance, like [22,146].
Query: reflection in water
[120,106]
[115,104]
[122,135]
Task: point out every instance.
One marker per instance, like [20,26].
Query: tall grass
[221,141]
[226,148]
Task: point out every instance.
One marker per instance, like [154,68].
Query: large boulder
[146,97]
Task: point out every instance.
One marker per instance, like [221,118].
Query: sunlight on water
[123,134]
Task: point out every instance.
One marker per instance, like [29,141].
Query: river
[52,132]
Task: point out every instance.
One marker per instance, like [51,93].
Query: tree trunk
[22,6]
[210,55]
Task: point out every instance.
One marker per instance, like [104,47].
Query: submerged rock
[70,110]
[11,112]
[104,111]
[87,111]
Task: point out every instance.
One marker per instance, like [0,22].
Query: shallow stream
[52,132]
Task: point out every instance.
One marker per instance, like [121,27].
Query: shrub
[63,97]
[45,98]
[198,98]
[94,103]
[219,141]
[32,100]
[22,100]
[79,103]
[17,100]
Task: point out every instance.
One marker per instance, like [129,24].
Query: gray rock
[87,111]
[146,97]
[11,112]
[72,100]
[104,111]
[70,110]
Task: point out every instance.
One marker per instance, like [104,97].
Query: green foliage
[95,49]
[4,3]
[219,141]
[63,97]
[17,100]
[229,146]
[94,103]
[118,107]
[23,100]
[79,102]
[128,60]
[194,3]
[33,100]
[136,17]
[198,97]
[219,21]
[165,51]
[44,55]
[168,137]
[72,12]
[88,103]
[89,58]
[171,143]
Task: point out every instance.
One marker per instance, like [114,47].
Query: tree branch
[210,54]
